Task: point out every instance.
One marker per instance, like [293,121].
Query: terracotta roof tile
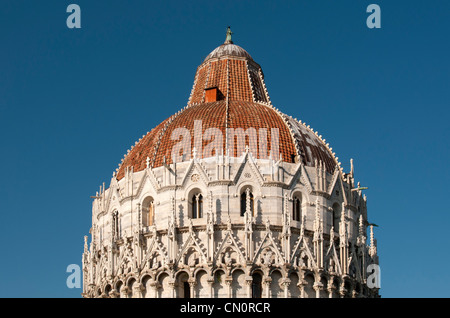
[241,80]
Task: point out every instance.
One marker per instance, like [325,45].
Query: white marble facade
[230,227]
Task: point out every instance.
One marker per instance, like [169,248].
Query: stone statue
[155,263]
[192,261]
[331,265]
[268,258]
[227,259]
[228,38]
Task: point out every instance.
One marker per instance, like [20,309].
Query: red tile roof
[243,103]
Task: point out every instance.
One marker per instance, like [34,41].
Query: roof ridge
[327,145]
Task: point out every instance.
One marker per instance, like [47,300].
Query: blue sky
[72,101]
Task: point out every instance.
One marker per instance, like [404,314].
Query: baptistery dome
[229,93]
[230,197]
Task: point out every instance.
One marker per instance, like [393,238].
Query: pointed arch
[148,211]
[195,204]
[336,216]
[297,202]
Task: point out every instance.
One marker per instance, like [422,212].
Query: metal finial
[228,38]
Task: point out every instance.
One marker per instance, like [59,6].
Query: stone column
[124,292]
[173,286]
[330,290]
[154,286]
[286,282]
[330,286]
[301,285]
[192,284]
[318,286]
[229,283]
[197,208]
[248,282]
[137,290]
[210,281]
[266,284]
[114,294]
[342,291]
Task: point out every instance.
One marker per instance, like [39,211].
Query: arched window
[336,216]
[244,201]
[197,206]
[184,289]
[148,212]
[256,285]
[107,289]
[297,208]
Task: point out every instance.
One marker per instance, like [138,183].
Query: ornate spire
[85,244]
[373,243]
[362,229]
[361,240]
[343,225]
[286,217]
[210,215]
[228,38]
